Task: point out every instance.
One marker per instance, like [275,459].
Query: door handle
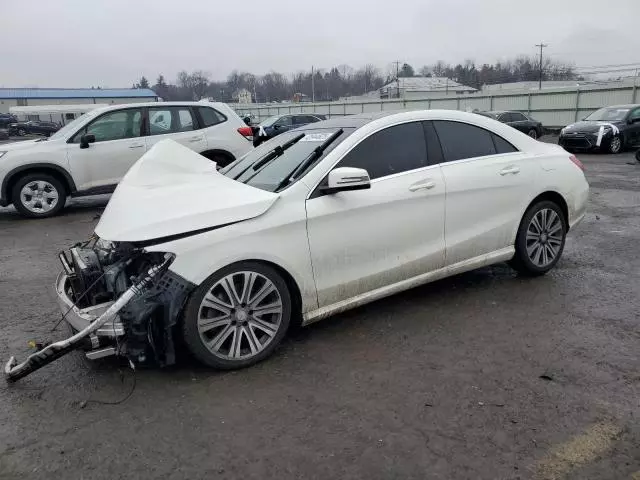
[195,139]
[510,170]
[426,185]
[137,145]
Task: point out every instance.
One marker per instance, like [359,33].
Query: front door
[175,123]
[367,239]
[118,145]
[633,130]
[488,183]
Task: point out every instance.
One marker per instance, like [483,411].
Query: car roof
[159,104]
[349,121]
[629,105]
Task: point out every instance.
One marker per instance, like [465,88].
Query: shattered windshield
[260,170]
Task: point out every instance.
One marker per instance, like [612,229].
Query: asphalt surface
[482,376]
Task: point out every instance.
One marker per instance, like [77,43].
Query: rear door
[176,123]
[119,144]
[488,183]
[367,239]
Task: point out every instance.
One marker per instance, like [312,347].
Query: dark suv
[7,119]
[278,124]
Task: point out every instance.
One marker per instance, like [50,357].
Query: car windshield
[608,114]
[488,114]
[289,151]
[269,121]
[72,126]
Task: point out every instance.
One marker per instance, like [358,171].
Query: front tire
[540,239]
[533,133]
[38,195]
[238,316]
[615,145]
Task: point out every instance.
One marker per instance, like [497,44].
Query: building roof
[427,84]
[77,93]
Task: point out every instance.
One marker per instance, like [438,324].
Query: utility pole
[541,45]
[313,86]
[397,64]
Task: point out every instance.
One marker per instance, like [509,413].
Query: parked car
[610,129]
[91,154]
[278,124]
[517,120]
[7,119]
[313,222]
[33,127]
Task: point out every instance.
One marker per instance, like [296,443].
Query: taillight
[575,160]
[246,132]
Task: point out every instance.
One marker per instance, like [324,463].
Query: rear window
[210,116]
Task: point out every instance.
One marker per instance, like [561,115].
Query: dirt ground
[481,376]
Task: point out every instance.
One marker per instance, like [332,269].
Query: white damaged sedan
[313,222]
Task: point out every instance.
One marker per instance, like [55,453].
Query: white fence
[554,108]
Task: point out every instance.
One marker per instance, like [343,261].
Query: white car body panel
[377,246]
[173,190]
[352,255]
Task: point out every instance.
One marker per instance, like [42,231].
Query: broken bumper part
[14,371]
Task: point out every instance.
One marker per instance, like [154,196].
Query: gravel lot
[441,382]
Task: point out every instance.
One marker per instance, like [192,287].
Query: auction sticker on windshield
[316,137]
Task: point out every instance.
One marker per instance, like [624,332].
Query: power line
[541,45]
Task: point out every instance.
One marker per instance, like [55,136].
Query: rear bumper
[80,318]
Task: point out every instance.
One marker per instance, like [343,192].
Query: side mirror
[86,139]
[343,179]
[633,120]
[277,127]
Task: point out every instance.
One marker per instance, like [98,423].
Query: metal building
[23,97]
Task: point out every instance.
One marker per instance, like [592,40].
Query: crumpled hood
[172,190]
[588,127]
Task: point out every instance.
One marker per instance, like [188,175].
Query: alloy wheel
[240,315]
[533,134]
[616,145]
[544,237]
[39,196]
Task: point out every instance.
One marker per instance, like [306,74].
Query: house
[423,87]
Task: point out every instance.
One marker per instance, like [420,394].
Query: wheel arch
[54,170]
[214,152]
[554,197]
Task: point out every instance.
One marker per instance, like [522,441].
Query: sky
[111,43]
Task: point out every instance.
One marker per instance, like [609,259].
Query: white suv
[90,155]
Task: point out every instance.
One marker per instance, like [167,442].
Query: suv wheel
[38,195]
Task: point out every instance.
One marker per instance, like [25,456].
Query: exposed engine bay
[137,298]
[102,271]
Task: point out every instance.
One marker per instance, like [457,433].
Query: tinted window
[210,116]
[461,140]
[517,117]
[505,117]
[284,121]
[116,125]
[635,115]
[392,150]
[170,120]
[502,146]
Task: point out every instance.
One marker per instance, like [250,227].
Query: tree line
[344,81]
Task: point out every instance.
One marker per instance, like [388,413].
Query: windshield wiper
[313,156]
[272,155]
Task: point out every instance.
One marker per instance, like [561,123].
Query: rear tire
[533,134]
[38,195]
[540,239]
[230,322]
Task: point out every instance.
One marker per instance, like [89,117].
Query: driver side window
[116,125]
[635,115]
[284,121]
